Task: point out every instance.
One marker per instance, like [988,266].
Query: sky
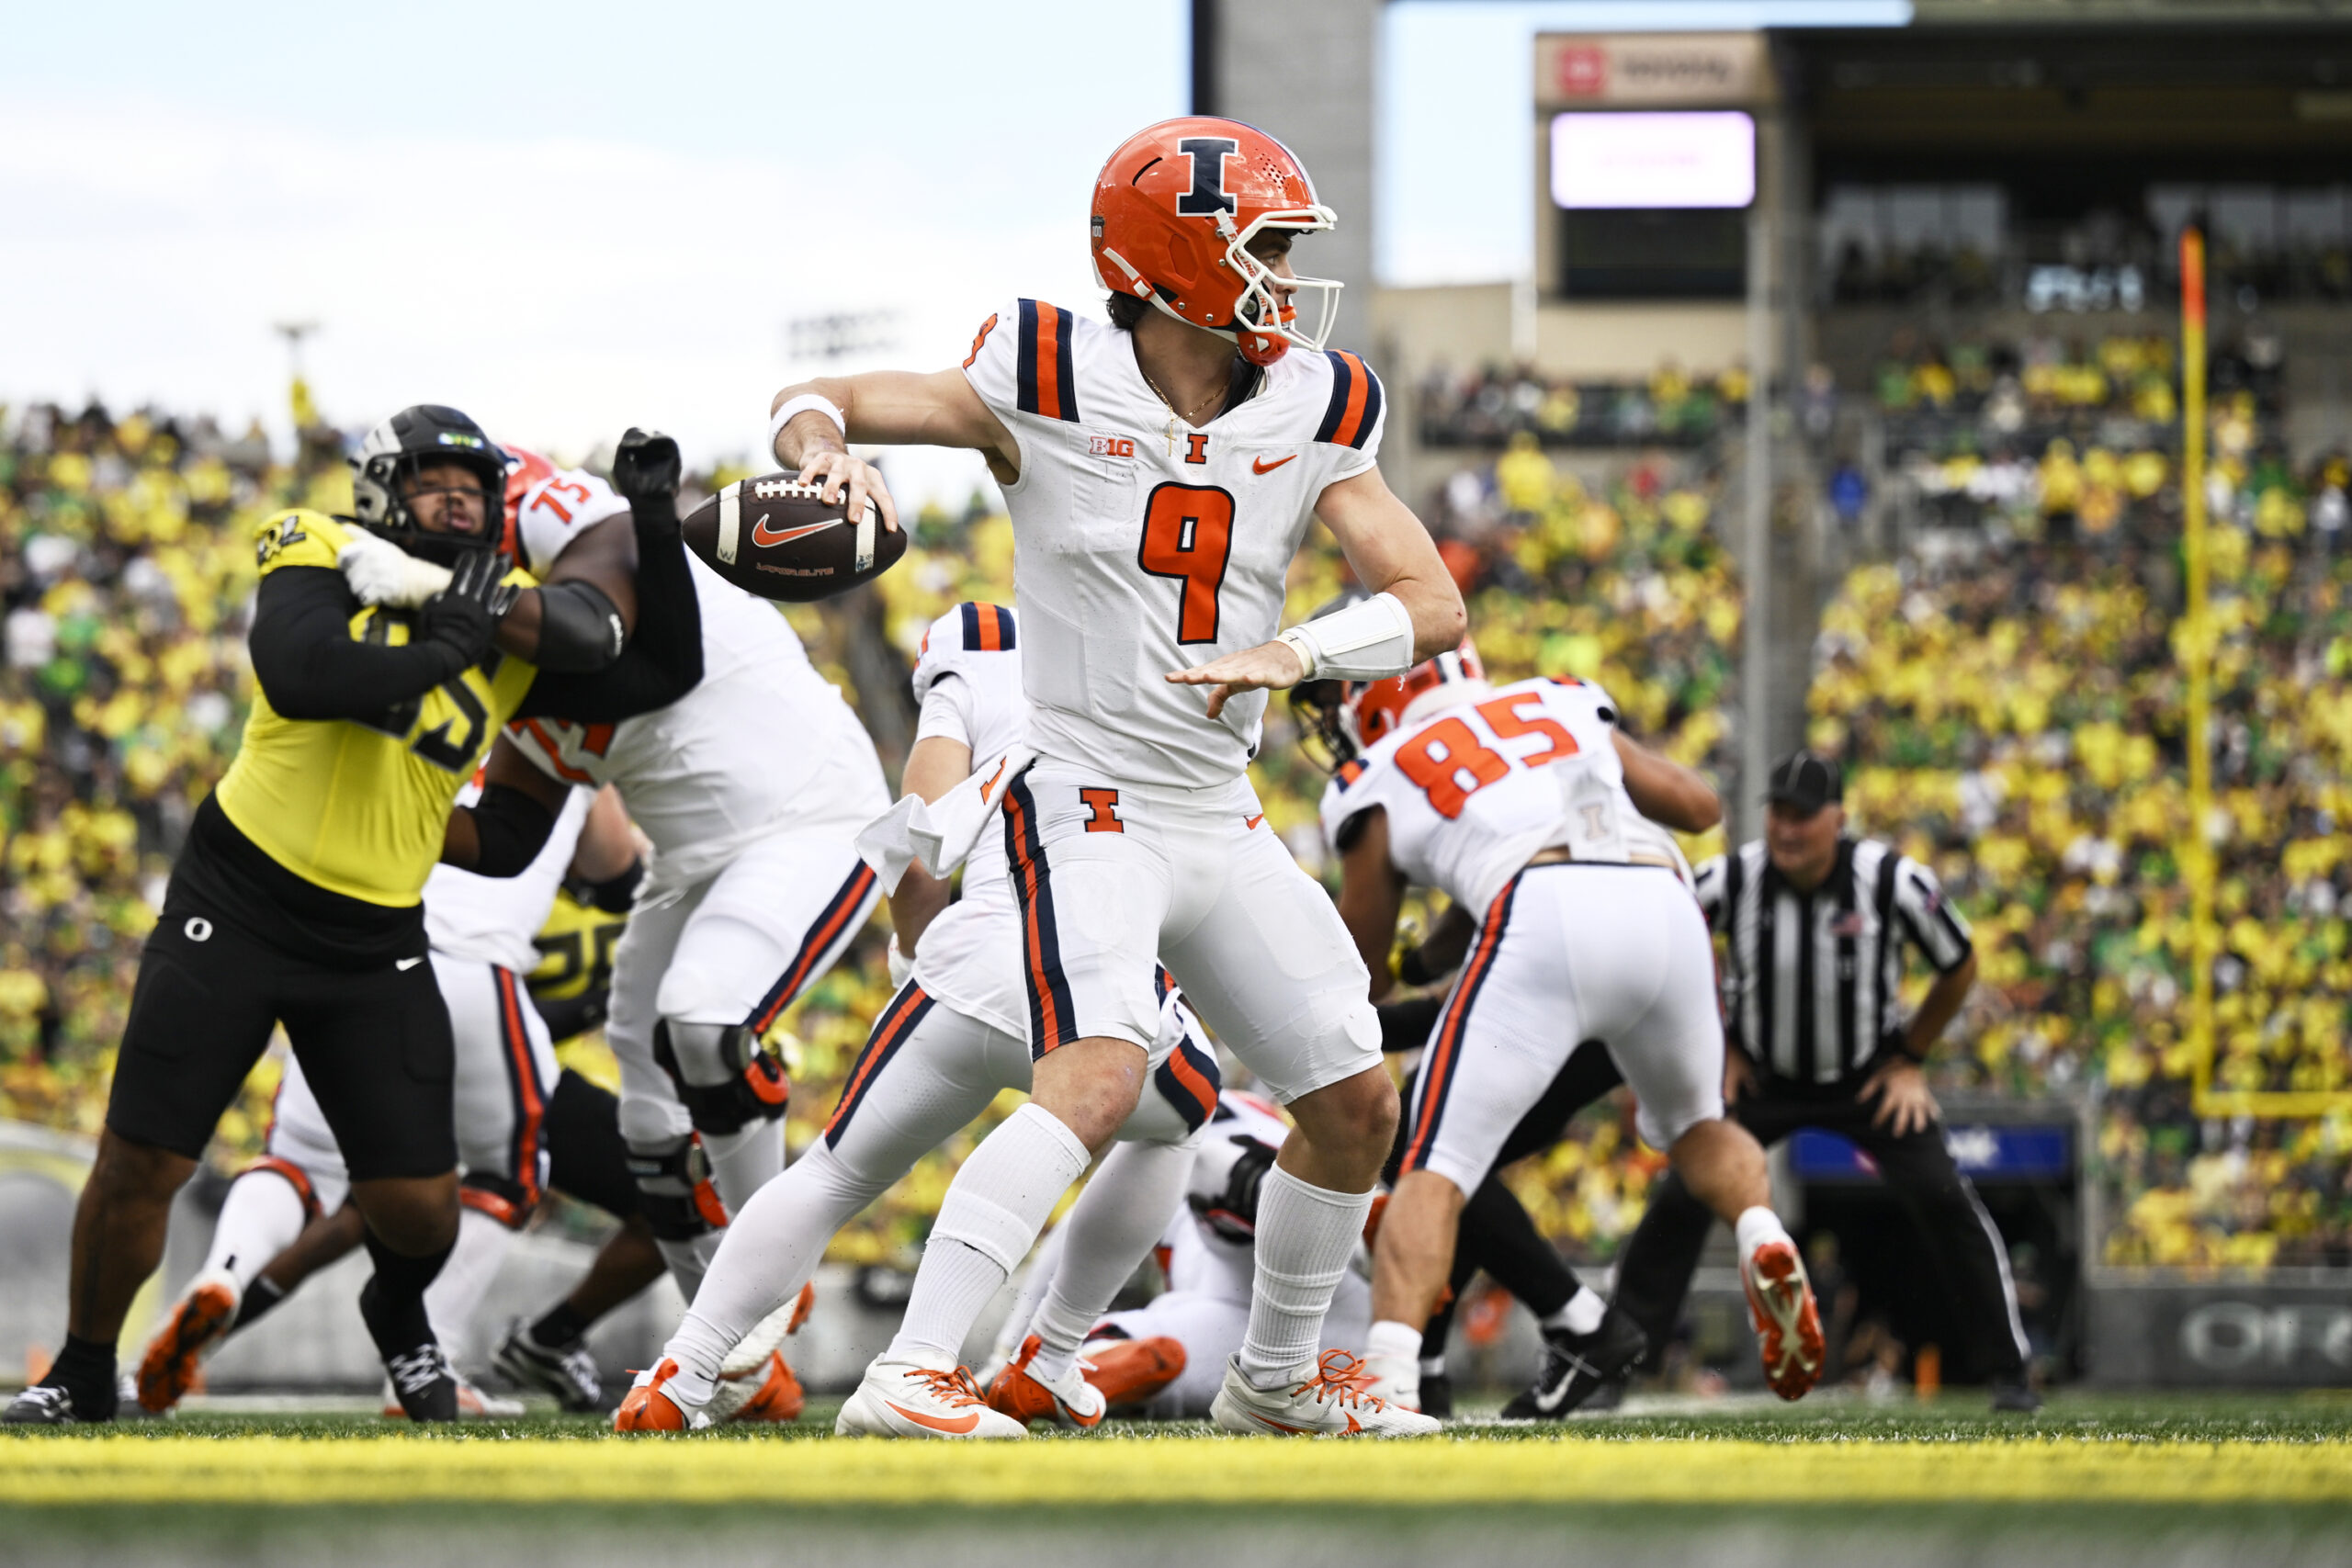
[568,218]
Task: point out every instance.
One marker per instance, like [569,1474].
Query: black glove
[463,617]
[1232,1213]
[645,469]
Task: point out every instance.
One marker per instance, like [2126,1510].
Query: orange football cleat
[172,1368]
[1129,1371]
[645,1408]
[779,1396]
[1018,1393]
[1788,1325]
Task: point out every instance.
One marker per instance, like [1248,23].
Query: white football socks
[994,1209]
[457,1292]
[1582,1314]
[1113,1225]
[260,1218]
[744,1161]
[1755,1227]
[770,1250]
[1305,1237]
[689,1259]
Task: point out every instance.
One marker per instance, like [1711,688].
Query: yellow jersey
[359,808]
[575,949]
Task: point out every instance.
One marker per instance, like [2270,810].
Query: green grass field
[2093,1479]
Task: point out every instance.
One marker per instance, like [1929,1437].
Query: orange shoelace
[954,1388]
[1343,1380]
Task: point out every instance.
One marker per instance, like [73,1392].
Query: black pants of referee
[1653,1276]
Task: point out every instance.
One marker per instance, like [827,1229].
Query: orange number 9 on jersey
[1187,535]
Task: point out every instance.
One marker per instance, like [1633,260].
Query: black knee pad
[674,1190]
[754,1091]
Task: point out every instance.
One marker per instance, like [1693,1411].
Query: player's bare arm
[1665,791]
[608,841]
[503,833]
[1448,943]
[886,408]
[1372,893]
[1390,552]
[937,764]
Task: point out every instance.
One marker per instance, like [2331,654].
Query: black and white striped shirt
[1812,980]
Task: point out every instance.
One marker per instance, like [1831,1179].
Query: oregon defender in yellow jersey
[295,900]
[359,807]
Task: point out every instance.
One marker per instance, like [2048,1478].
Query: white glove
[902,968]
[380,572]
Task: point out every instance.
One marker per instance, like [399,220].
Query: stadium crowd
[2006,705]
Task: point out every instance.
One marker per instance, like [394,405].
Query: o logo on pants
[198,929]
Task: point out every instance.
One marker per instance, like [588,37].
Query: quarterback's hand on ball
[1269,666]
[380,572]
[853,481]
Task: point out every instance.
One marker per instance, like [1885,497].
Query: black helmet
[410,440]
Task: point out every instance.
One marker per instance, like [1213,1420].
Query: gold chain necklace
[1175,415]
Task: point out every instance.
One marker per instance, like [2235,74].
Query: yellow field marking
[106,1471]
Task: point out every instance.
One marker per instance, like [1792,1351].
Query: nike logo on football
[1249,824]
[764,535]
[1260,465]
[955,1425]
[406,963]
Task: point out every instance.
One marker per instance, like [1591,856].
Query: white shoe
[1328,1401]
[907,1399]
[755,1372]
[1396,1379]
[473,1404]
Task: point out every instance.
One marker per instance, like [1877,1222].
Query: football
[774,537]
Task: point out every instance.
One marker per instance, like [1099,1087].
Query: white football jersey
[763,742]
[552,506]
[967,680]
[1146,545]
[1474,790]
[491,919]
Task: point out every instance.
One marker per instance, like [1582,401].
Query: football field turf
[2092,1480]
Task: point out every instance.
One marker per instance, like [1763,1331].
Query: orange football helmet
[1175,210]
[1378,707]
[524,468]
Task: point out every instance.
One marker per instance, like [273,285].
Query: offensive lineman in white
[1530,809]
[1161,473]
[951,1039]
[751,788]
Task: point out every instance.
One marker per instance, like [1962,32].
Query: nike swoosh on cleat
[406,963]
[1277,1426]
[1260,465]
[955,1426]
[1249,824]
[764,535]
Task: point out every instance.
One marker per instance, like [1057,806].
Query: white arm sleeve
[1370,641]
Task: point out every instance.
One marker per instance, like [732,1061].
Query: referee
[1816,924]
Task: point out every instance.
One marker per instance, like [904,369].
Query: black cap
[1805,782]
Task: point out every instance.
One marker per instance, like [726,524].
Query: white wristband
[1366,641]
[801,405]
[1298,643]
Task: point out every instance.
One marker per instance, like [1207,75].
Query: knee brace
[674,1190]
[744,1081]
[508,1203]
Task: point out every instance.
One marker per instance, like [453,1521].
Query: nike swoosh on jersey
[1249,824]
[1260,465]
[406,963]
[958,1425]
[764,535]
